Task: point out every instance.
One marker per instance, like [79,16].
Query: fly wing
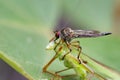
[88,33]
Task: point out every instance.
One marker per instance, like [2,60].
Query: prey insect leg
[48,64]
[66,54]
[69,75]
[62,70]
[52,39]
[69,47]
[54,57]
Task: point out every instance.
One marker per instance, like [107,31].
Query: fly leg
[77,45]
[79,48]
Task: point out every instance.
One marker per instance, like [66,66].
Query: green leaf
[23,48]
[26,27]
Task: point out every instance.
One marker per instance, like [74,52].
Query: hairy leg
[78,47]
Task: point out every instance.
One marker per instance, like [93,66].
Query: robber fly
[67,35]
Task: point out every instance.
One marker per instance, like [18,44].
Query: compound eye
[57,34]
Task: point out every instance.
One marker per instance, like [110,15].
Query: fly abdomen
[106,33]
[87,35]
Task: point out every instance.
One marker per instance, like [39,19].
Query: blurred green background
[26,27]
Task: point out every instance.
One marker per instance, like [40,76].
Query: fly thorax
[66,34]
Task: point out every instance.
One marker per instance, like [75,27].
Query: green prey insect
[91,66]
[82,70]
